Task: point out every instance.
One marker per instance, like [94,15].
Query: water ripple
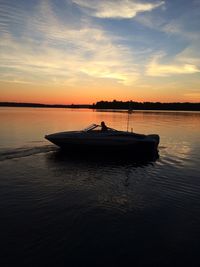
[24,151]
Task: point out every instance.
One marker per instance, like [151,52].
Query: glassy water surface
[58,210]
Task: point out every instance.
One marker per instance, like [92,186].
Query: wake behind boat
[100,138]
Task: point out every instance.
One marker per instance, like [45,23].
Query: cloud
[178,66]
[89,57]
[191,54]
[178,28]
[125,9]
[51,52]
[11,16]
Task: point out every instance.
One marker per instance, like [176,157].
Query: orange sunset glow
[70,52]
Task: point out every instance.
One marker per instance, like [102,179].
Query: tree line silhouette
[126,105]
[146,105]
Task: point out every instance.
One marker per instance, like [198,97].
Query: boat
[94,139]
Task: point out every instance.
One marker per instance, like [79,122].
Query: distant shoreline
[115,105]
[38,105]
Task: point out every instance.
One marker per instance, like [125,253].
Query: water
[58,210]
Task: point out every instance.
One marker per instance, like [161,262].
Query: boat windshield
[90,127]
[96,127]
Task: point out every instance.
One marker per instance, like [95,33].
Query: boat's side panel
[104,147]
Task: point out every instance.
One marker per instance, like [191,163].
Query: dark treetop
[130,105]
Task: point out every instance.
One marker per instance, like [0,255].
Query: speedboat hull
[105,142]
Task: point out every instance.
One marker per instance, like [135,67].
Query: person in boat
[104,128]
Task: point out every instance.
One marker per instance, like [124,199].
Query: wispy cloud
[64,53]
[177,28]
[177,66]
[125,9]
[10,14]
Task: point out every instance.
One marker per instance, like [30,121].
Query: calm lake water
[86,211]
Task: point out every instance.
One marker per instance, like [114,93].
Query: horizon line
[83,104]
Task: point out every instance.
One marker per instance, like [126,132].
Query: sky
[84,51]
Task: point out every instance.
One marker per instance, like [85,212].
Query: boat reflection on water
[109,159]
